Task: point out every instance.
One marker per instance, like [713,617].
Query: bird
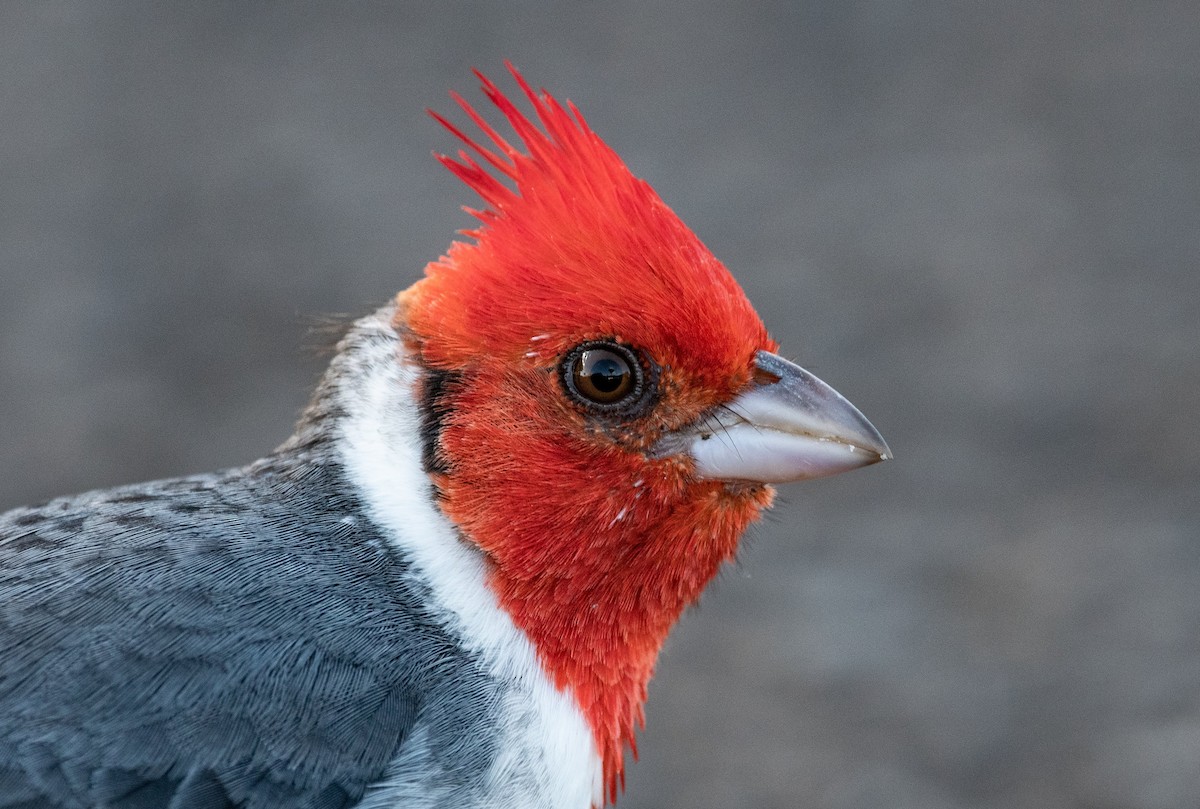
[449,587]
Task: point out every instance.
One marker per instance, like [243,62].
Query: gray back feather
[239,640]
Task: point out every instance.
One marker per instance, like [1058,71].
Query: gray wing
[243,641]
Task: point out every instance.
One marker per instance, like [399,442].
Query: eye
[603,375]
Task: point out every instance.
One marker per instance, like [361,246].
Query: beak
[789,426]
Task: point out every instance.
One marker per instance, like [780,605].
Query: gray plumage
[246,639]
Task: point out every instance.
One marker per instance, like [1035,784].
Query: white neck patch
[379,440]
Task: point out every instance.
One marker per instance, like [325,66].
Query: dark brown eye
[603,374]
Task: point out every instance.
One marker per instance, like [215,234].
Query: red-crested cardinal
[449,587]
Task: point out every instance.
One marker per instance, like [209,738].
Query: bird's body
[145,623]
[450,586]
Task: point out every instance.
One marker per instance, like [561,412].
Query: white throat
[379,439]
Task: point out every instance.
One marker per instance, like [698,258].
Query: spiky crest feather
[596,556]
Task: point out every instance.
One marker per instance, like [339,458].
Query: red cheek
[594,550]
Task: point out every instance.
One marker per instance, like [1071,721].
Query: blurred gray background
[980,221]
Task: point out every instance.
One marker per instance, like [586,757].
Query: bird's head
[605,410]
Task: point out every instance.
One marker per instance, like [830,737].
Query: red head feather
[594,546]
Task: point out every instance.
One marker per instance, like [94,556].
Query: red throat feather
[596,555]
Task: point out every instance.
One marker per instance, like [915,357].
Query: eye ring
[604,376]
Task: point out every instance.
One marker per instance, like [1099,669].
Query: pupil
[607,375]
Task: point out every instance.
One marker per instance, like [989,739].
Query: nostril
[762,376]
